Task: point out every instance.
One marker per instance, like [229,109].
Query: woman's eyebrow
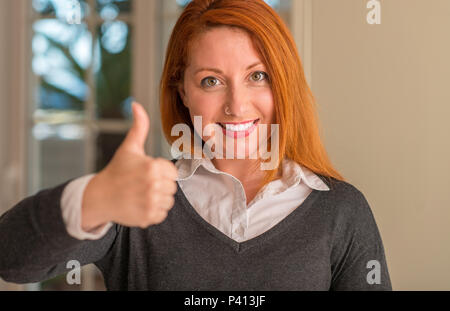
[219,71]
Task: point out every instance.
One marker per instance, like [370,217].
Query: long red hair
[299,138]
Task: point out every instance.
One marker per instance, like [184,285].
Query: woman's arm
[35,244]
[358,257]
[132,190]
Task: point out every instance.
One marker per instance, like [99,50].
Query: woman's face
[226,72]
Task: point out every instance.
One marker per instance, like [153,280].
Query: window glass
[112,70]
[61,56]
[109,8]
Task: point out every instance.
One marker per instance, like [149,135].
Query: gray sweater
[324,244]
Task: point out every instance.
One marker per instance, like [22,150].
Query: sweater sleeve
[35,244]
[358,257]
[71,203]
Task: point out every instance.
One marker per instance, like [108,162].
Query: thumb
[135,139]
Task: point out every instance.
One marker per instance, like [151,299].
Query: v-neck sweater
[217,196]
[330,242]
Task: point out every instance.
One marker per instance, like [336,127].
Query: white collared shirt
[221,200]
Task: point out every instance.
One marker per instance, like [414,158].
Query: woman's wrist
[92,213]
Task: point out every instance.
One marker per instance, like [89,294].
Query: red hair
[299,138]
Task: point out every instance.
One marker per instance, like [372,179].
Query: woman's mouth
[238,130]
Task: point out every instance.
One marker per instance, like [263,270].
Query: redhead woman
[202,222]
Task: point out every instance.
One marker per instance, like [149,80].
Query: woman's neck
[247,171]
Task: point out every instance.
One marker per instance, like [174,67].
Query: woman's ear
[182,93]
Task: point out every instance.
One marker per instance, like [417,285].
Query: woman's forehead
[221,46]
[218,34]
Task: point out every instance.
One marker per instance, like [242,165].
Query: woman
[211,223]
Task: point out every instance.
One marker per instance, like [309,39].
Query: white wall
[383,93]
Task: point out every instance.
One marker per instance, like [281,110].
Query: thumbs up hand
[134,189]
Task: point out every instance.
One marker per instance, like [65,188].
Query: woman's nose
[237,101]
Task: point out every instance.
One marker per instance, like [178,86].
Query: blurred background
[71,68]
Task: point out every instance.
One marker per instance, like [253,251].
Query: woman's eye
[207,80]
[261,74]
[258,75]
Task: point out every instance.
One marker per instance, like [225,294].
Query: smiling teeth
[240,127]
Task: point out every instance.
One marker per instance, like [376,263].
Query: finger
[137,135]
[166,169]
[166,202]
[165,186]
[160,216]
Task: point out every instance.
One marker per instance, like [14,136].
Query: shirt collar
[188,167]
[292,174]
